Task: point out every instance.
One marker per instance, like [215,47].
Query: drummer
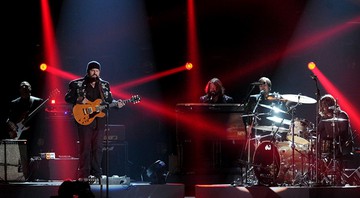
[259,107]
[334,129]
[334,122]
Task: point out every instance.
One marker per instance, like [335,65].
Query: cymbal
[335,120]
[271,128]
[273,108]
[298,98]
[279,120]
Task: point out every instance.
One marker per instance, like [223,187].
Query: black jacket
[77,88]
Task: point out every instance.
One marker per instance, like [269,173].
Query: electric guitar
[84,114]
[19,127]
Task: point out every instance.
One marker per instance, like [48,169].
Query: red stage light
[311,65]
[188,66]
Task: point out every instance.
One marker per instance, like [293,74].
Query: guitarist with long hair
[19,124]
[85,93]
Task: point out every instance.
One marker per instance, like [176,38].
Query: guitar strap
[101,92]
[31,102]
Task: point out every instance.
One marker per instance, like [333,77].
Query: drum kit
[288,161]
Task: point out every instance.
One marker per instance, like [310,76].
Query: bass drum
[266,163]
[273,163]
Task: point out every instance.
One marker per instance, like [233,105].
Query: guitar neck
[35,111]
[53,93]
[113,104]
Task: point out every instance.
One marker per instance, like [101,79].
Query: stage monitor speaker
[55,169]
[117,158]
[13,160]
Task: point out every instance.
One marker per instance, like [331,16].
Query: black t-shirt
[337,126]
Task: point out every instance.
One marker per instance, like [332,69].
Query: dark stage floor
[177,190]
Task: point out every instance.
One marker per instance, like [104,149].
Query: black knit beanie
[92,65]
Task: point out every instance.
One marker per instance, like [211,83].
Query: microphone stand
[247,145]
[248,95]
[253,123]
[107,129]
[292,131]
[334,146]
[317,143]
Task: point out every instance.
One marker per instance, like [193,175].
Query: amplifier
[13,160]
[116,132]
[116,158]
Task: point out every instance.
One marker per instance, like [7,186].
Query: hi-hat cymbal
[279,120]
[274,108]
[272,128]
[335,120]
[298,98]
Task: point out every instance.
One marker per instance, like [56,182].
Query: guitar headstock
[135,99]
[54,92]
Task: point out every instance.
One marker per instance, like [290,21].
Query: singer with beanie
[88,90]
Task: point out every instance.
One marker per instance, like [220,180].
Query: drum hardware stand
[292,130]
[255,117]
[318,95]
[248,170]
[303,175]
[312,163]
[334,162]
[248,145]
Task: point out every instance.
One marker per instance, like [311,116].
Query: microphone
[333,107]
[258,83]
[314,77]
[212,94]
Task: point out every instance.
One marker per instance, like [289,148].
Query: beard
[213,93]
[93,78]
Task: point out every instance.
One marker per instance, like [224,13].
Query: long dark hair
[217,83]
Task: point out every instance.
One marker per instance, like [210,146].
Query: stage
[50,189]
[226,190]
[177,190]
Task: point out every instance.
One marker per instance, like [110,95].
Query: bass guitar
[85,114]
[20,127]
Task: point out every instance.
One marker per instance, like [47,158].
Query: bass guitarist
[20,127]
[84,91]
